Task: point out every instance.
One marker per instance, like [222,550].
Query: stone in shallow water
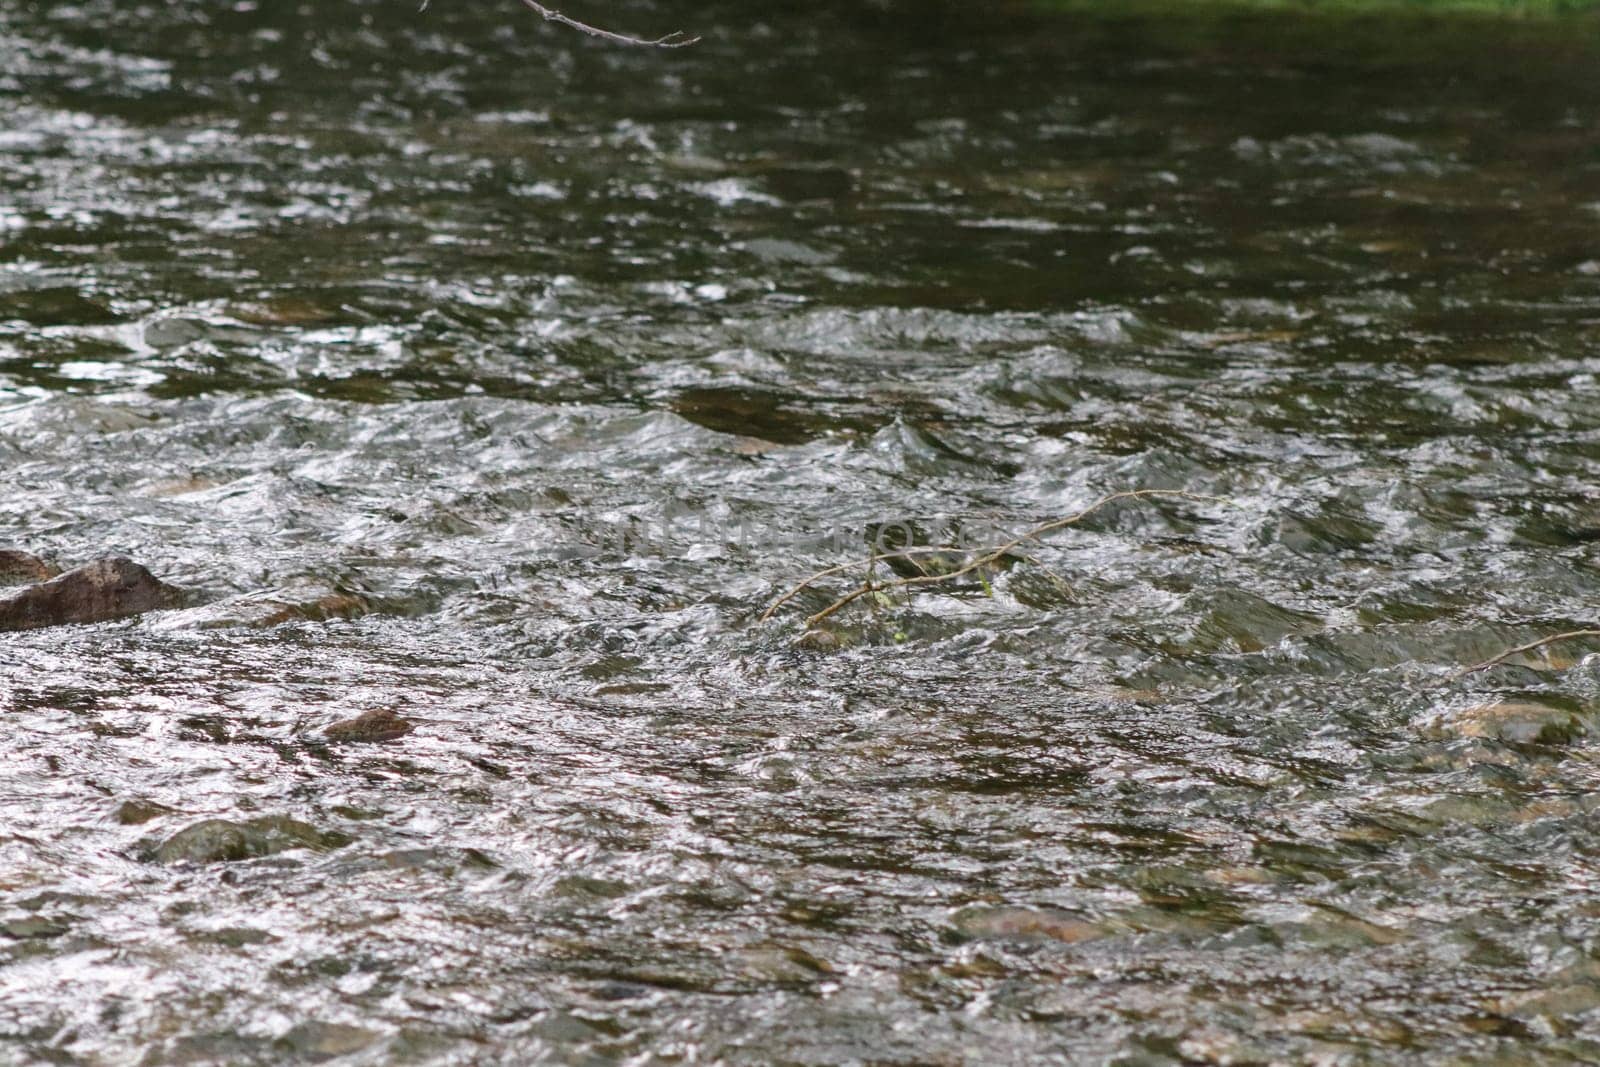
[438,858]
[819,641]
[222,841]
[23,568]
[32,927]
[780,963]
[103,590]
[233,936]
[139,812]
[318,1041]
[379,724]
[1520,722]
[1026,924]
[309,602]
[1555,1002]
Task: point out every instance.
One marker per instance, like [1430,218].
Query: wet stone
[319,1041]
[205,1048]
[751,413]
[1518,722]
[1124,695]
[1242,622]
[234,937]
[288,311]
[24,568]
[264,610]
[975,966]
[32,927]
[212,728]
[139,812]
[819,641]
[781,963]
[379,724]
[99,592]
[1026,924]
[223,841]
[1554,1002]
[443,860]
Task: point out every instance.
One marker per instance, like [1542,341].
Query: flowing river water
[461,366]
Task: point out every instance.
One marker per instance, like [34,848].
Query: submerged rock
[304,602]
[33,927]
[222,841]
[317,1041]
[1519,722]
[817,640]
[103,590]
[379,724]
[23,568]
[1010,923]
[139,812]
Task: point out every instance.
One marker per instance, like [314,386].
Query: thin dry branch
[675,39]
[871,561]
[984,559]
[1495,661]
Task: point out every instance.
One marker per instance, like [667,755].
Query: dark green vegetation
[482,378]
[1181,9]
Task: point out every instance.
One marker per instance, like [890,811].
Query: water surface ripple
[462,366]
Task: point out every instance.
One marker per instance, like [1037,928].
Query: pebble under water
[470,373]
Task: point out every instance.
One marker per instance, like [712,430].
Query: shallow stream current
[459,365]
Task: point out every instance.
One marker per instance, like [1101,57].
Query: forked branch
[986,558]
[675,39]
[1531,646]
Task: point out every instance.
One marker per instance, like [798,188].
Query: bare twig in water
[1495,661]
[984,559]
[675,39]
